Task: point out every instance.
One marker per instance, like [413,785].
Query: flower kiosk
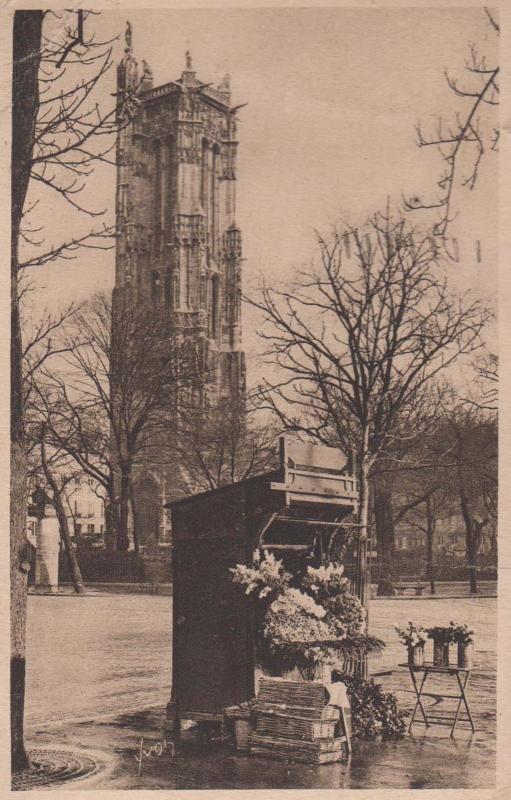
[280,524]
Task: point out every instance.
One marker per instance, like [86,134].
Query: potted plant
[414,638]
[463,637]
[442,638]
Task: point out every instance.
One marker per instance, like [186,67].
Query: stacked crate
[295,722]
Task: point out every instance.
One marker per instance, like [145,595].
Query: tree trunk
[122,533]
[472,571]
[78,536]
[470,549]
[111,524]
[135,517]
[20,566]
[111,515]
[384,524]
[361,578]
[19,558]
[25,102]
[430,532]
[74,568]
[361,584]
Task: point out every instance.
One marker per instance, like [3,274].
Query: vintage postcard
[255,370]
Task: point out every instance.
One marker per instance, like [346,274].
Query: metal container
[465,655]
[441,654]
[416,655]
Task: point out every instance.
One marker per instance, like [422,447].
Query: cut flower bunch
[411,636]
[461,634]
[304,620]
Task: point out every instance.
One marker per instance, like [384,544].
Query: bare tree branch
[452,141]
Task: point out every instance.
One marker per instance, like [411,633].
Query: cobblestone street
[99,679]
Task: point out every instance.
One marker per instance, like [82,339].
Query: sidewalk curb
[437,597]
[108,590]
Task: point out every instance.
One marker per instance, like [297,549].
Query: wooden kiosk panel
[212,656]
[213,643]
[213,649]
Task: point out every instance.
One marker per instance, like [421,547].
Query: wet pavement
[99,679]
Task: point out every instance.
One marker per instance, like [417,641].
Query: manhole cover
[51,767]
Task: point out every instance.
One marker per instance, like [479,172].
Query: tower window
[213,211]
[155,285]
[168,289]
[123,200]
[214,308]
[186,276]
[159,194]
[204,177]
[175,290]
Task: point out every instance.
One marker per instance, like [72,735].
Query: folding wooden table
[462,676]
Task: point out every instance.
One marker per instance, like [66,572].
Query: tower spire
[128,36]
[188,74]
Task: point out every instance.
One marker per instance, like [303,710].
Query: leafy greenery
[373,712]
[441,634]
[461,633]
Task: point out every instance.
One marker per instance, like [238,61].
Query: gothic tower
[178,243]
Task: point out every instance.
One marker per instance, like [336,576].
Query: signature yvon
[156,749]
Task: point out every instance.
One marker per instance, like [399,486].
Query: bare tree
[116,397]
[463,142]
[433,504]
[76,428]
[223,443]
[399,465]
[72,133]
[42,343]
[486,390]
[471,435]
[57,472]
[26,60]
[356,344]
[58,136]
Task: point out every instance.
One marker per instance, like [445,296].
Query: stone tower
[178,242]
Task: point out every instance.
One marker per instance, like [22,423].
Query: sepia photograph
[254,370]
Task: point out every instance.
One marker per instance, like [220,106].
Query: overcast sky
[328,133]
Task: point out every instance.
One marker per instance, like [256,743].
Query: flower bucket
[316,672]
[440,654]
[242,729]
[465,655]
[416,655]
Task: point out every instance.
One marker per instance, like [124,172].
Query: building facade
[85,511]
[449,538]
[178,243]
